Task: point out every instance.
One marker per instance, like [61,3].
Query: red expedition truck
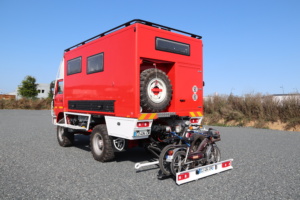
[129,86]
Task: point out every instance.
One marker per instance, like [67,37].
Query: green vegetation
[31,104]
[256,108]
[28,88]
[50,94]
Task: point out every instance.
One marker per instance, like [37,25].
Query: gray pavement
[33,166]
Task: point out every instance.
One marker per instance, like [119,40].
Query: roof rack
[130,23]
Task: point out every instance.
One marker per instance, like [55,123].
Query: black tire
[163,164]
[177,164]
[155,90]
[101,144]
[64,137]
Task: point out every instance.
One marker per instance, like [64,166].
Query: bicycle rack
[204,171]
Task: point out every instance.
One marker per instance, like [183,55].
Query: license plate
[206,169]
[142,133]
[169,158]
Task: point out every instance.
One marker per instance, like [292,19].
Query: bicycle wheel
[216,154]
[177,164]
[163,164]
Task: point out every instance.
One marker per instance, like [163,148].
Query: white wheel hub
[98,144]
[157,90]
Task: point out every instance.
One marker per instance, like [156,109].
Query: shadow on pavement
[136,154]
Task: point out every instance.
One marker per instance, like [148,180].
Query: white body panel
[123,127]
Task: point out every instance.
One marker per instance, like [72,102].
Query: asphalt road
[33,166]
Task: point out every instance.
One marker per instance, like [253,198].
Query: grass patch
[257,108]
[30,104]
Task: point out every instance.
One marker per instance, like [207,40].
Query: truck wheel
[64,137]
[101,144]
[155,89]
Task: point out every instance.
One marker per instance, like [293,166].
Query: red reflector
[143,124]
[183,176]
[226,164]
[194,120]
[170,152]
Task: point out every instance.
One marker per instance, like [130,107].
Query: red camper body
[137,72]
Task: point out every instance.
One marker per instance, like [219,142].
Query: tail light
[188,134]
[194,120]
[143,124]
[170,153]
[183,176]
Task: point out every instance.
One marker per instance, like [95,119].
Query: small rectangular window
[172,46]
[60,87]
[74,66]
[95,63]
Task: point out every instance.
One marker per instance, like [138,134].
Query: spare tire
[155,90]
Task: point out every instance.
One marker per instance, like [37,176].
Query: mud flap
[201,172]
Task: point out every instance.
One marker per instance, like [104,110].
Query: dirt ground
[280,126]
[270,125]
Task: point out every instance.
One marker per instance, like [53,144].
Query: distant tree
[28,88]
[50,94]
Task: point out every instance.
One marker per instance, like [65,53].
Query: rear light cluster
[194,120]
[143,124]
[226,164]
[183,176]
[170,152]
[188,134]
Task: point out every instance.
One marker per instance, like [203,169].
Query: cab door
[58,97]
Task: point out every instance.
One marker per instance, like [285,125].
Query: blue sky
[250,46]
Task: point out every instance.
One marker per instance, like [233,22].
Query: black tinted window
[95,63]
[172,46]
[74,66]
